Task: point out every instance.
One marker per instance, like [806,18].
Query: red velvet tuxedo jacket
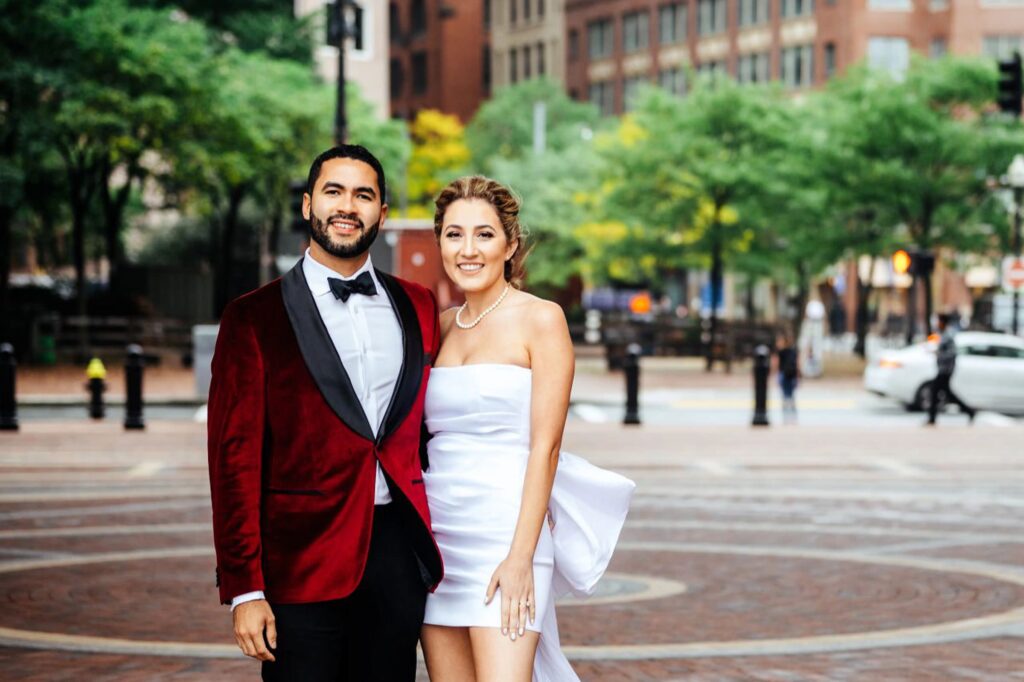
[292,456]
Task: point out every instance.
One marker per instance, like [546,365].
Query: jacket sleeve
[435,347]
[235,424]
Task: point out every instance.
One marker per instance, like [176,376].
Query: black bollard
[631,368]
[8,404]
[133,388]
[762,365]
[96,384]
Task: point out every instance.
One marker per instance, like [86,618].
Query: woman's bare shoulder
[447,317]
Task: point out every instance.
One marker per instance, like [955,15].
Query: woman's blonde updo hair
[505,204]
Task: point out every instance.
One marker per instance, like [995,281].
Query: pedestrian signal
[640,304]
[901,261]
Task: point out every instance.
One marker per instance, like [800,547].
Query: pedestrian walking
[789,374]
[945,357]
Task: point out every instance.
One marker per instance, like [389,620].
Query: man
[319,514]
[945,357]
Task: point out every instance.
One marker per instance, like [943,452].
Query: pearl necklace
[458,313]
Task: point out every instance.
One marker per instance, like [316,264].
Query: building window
[753,68]
[540,9]
[419,72]
[753,12]
[513,65]
[636,31]
[889,53]
[938,5]
[891,5]
[937,48]
[673,80]
[513,11]
[797,8]
[600,38]
[1002,46]
[486,61]
[798,66]
[526,9]
[397,78]
[487,13]
[394,23]
[574,45]
[541,61]
[672,23]
[630,89]
[527,71]
[602,95]
[418,17]
[358,28]
[711,17]
[830,59]
[715,69]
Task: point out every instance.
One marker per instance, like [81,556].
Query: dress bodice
[479,401]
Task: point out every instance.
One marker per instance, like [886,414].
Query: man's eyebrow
[330,184]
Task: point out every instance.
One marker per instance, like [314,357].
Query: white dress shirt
[368,339]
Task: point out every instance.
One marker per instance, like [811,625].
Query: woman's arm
[552,362]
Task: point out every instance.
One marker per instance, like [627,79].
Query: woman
[789,374]
[511,533]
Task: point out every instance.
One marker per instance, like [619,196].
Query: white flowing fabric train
[479,419]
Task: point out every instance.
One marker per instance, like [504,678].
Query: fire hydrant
[96,374]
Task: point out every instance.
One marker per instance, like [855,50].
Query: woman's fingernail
[513,635]
[504,631]
[522,631]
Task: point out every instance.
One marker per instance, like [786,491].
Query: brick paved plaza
[792,553]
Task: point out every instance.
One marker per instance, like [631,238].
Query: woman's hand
[514,576]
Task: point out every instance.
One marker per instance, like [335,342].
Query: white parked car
[989,373]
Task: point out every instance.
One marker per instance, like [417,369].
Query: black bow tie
[343,288]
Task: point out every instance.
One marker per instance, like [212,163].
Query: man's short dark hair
[945,319]
[348,151]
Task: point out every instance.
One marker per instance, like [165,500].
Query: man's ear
[306,205]
[383,214]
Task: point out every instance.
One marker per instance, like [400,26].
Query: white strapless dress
[479,419]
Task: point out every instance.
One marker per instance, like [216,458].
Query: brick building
[440,56]
[527,39]
[613,46]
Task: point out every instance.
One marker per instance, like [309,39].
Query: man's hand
[251,619]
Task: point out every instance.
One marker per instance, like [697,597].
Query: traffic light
[296,189]
[901,262]
[1010,85]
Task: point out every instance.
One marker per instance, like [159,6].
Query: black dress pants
[369,636]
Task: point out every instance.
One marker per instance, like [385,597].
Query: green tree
[503,126]
[696,162]
[918,151]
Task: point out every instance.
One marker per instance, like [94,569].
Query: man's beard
[321,235]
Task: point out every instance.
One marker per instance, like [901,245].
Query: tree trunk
[864,290]
[751,313]
[114,203]
[912,310]
[716,292]
[228,231]
[802,294]
[926,282]
[6,219]
[80,187]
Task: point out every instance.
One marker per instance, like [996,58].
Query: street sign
[1013,274]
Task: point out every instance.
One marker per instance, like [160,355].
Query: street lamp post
[1015,179]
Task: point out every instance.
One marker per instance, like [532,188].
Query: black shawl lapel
[319,353]
[408,385]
